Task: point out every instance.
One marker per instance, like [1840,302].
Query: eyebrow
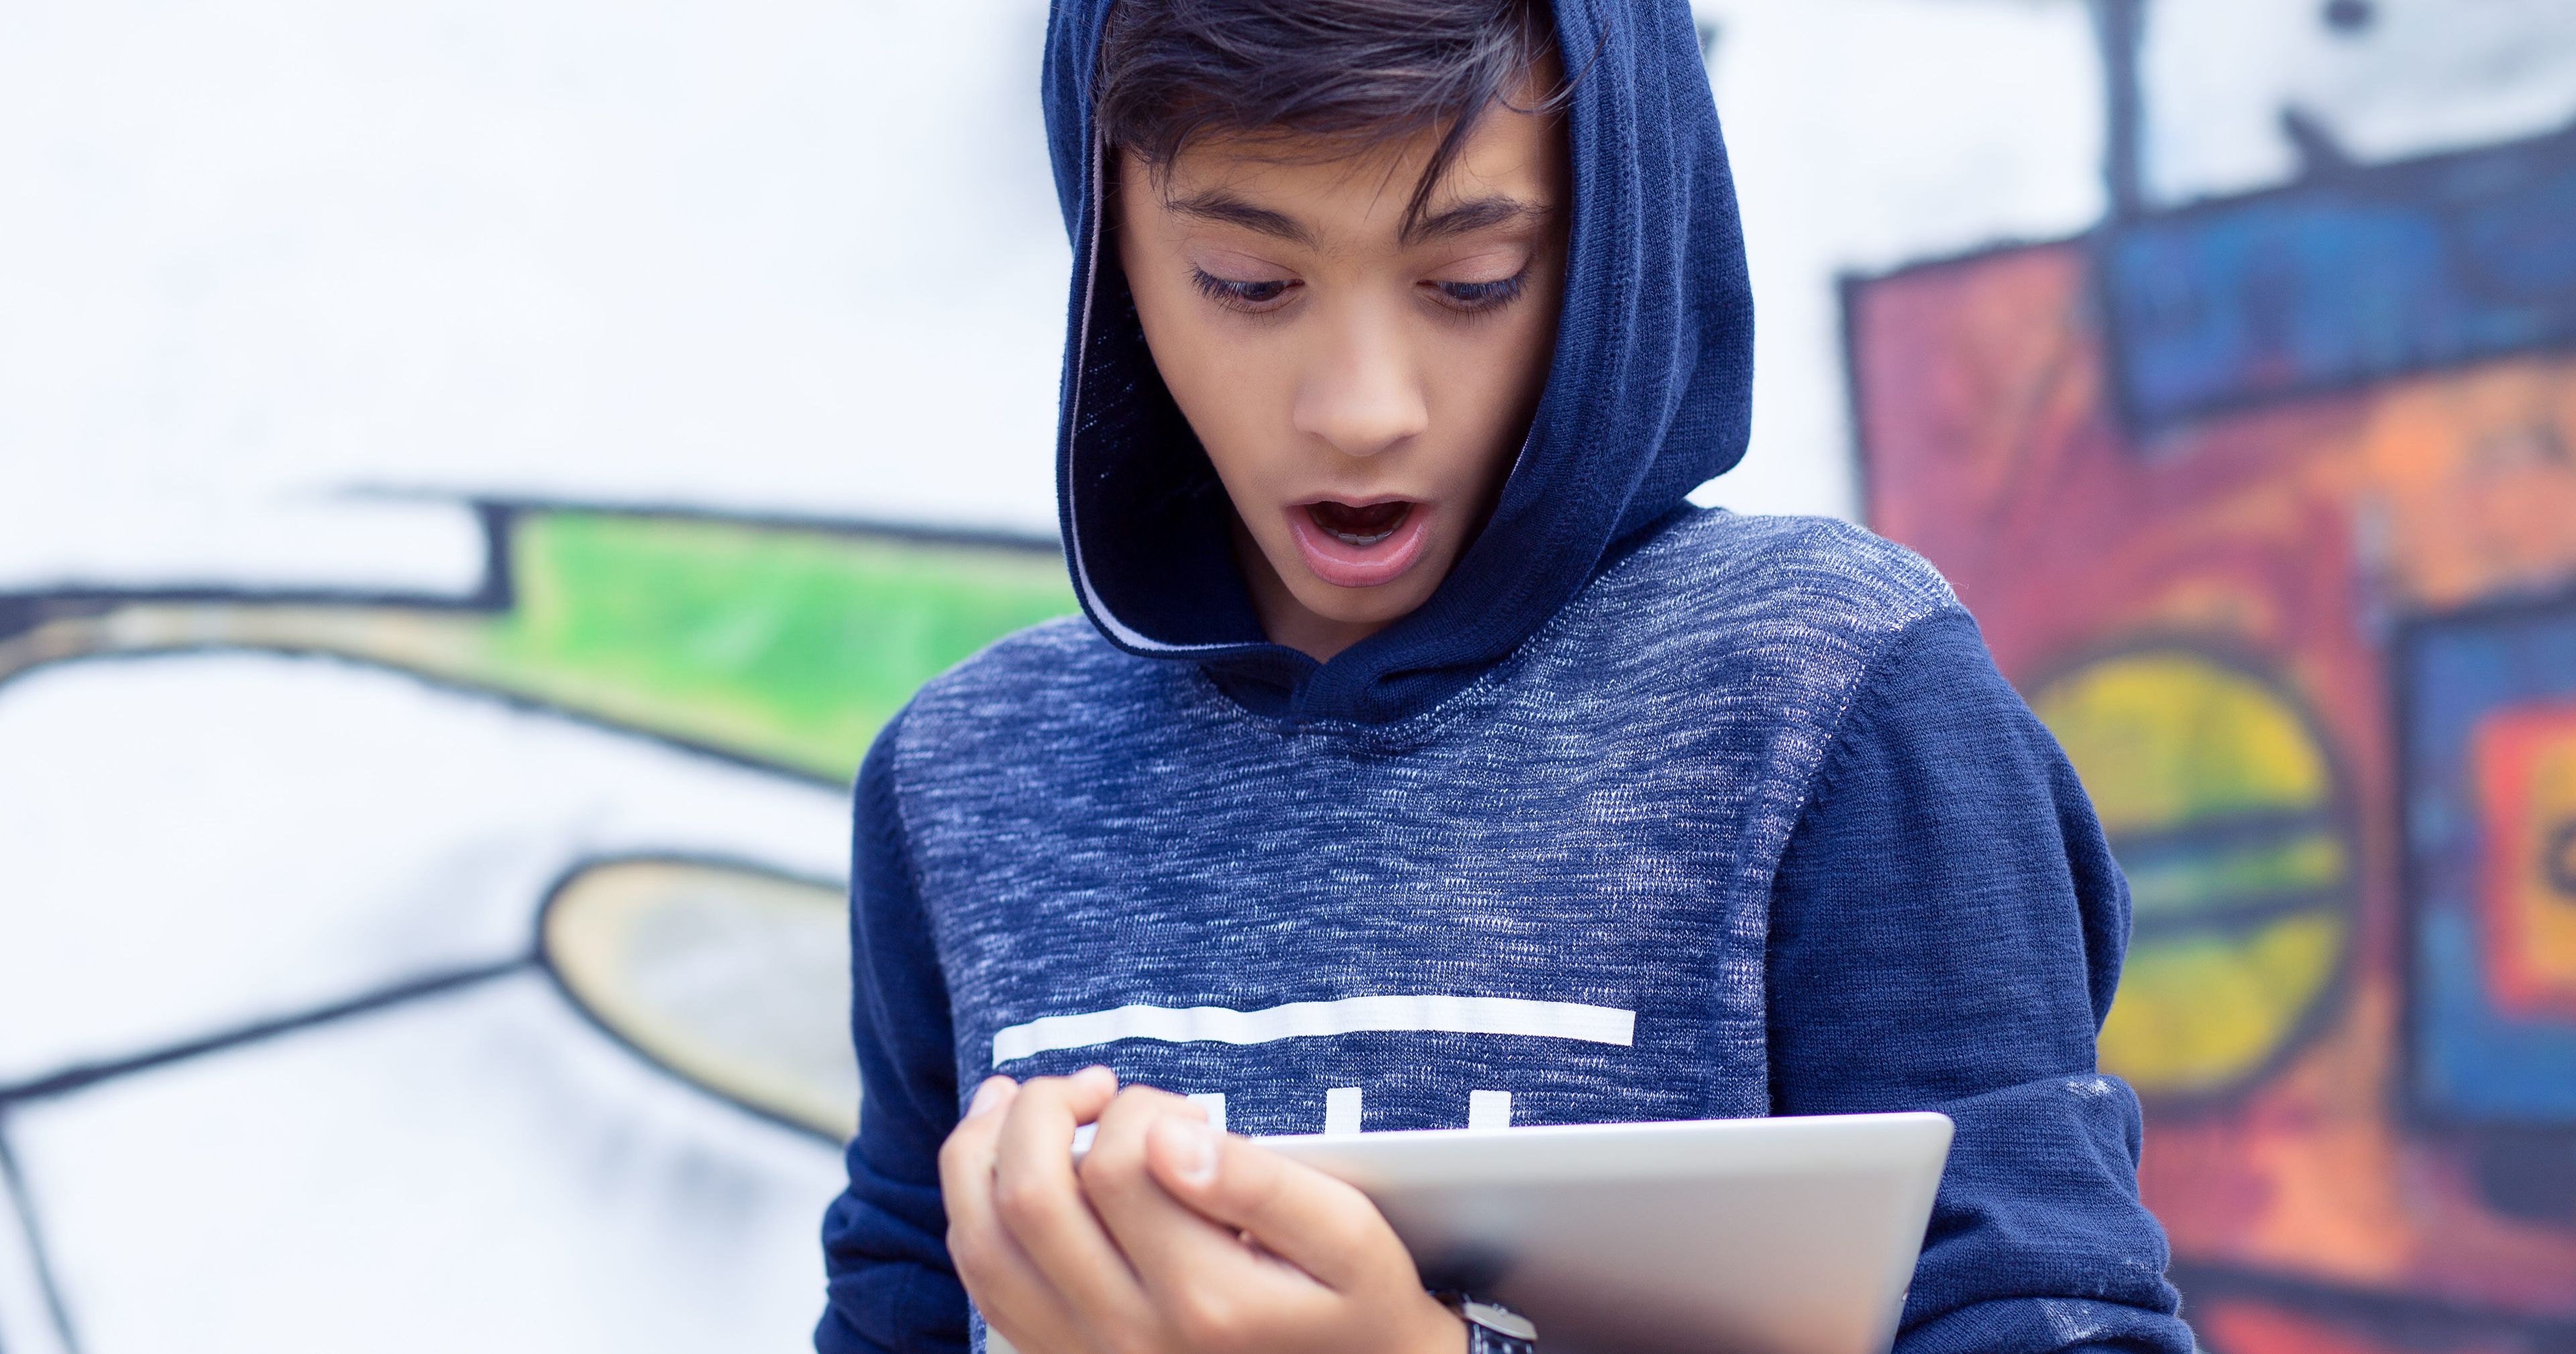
[1473,215]
[1225,208]
[1464,218]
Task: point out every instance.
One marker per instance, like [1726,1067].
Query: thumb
[1298,1213]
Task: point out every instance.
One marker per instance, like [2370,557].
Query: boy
[1425,760]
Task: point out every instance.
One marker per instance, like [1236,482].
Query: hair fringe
[1350,75]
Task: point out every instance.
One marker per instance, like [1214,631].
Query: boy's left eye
[1473,296]
[1255,296]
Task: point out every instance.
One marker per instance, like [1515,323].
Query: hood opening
[1648,396]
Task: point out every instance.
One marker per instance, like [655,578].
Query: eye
[1247,296]
[1480,296]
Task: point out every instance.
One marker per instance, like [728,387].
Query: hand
[1240,1249]
[1172,1238]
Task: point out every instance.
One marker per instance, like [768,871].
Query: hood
[1649,395]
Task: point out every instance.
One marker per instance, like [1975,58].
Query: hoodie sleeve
[890,1282]
[1947,926]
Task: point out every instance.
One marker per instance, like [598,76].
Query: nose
[1361,392]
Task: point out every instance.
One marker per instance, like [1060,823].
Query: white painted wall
[800,256]
[195,842]
[2419,76]
[781,255]
[777,254]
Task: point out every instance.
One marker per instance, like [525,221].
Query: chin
[1364,606]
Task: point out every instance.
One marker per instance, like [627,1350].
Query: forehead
[1334,187]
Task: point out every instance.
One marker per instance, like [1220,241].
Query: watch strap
[1491,1327]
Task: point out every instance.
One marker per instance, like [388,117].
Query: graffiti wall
[474,476]
[2267,499]
[361,949]
[439,615]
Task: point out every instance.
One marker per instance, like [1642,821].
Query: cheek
[1488,383]
[1232,389]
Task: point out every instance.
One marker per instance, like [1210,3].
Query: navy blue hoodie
[1649,813]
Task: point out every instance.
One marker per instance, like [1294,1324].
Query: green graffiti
[787,645]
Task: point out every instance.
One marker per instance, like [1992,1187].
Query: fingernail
[988,1097]
[1196,1157]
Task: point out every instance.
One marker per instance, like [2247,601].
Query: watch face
[1502,1321]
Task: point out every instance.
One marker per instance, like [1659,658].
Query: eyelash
[1260,298]
[1250,297]
[1478,297]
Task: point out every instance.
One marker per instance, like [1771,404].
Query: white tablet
[1749,1236]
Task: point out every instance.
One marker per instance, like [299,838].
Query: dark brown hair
[1349,74]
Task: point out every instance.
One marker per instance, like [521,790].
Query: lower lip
[1345,565]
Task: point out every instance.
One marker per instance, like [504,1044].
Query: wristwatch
[1491,1327]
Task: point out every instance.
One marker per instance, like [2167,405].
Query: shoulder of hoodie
[1713,582]
[1720,579]
[1057,672]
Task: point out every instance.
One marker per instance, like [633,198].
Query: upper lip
[1358,501]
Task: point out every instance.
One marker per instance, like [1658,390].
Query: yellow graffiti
[2220,804]
[2166,738]
[736,978]
[2195,1014]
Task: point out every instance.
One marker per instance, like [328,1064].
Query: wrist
[1440,1331]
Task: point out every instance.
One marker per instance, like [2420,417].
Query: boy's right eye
[1248,296]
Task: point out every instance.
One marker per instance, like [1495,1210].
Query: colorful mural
[401,956]
[2268,502]
[594,893]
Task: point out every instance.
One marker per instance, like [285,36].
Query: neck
[1286,620]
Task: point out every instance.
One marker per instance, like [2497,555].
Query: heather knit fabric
[1758,793]
[1648,813]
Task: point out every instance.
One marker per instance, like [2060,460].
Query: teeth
[1353,526]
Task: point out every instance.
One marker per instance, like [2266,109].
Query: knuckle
[1352,1225]
[1138,1096]
[1359,1236]
[1115,1149]
[1209,1320]
[966,1251]
[1010,1199]
[963,1145]
[1105,1170]
[1126,1110]
[1034,1093]
[1019,1204]
[1261,1193]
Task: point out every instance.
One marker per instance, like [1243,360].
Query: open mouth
[1360,545]
[1361,527]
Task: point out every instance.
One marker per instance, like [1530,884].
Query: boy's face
[1361,388]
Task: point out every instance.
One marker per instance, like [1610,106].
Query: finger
[1129,1202]
[1005,1284]
[966,1158]
[1215,1289]
[1042,1206]
[1313,1221]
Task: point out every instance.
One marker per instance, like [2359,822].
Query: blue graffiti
[2341,280]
